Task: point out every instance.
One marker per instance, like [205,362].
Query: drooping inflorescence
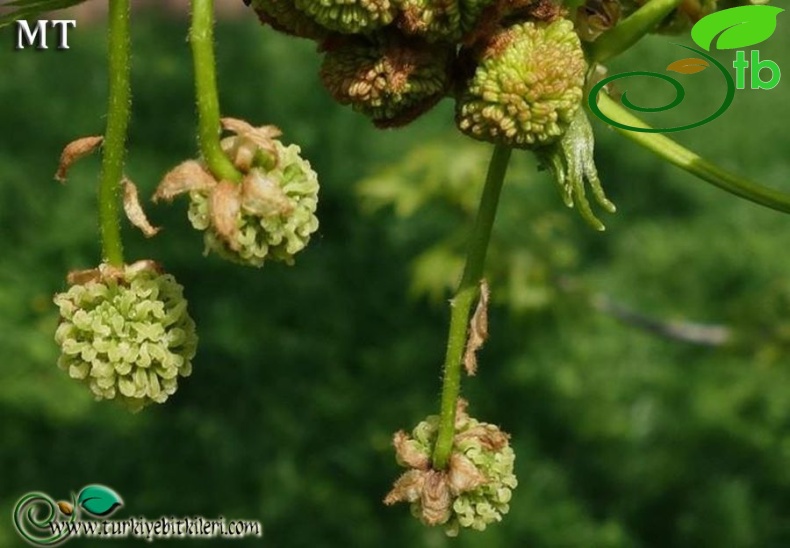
[269,215]
[385,79]
[515,68]
[393,60]
[125,332]
[475,488]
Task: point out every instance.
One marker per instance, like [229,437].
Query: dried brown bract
[134,211]
[74,151]
[185,177]
[478,330]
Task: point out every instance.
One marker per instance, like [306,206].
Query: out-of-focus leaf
[452,170]
[24,9]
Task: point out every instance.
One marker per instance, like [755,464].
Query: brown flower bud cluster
[517,78]
[474,489]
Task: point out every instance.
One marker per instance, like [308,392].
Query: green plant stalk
[114,148]
[687,160]
[461,304]
[201,38]
[628,33]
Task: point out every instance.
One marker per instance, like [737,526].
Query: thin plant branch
[676,154]
[630,30]
[201,38]
[118,113]
[461,304]
[688,332]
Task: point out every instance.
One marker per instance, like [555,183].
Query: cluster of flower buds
[526,87]
[515,67]
[269,215]
[125,333]
[475,488]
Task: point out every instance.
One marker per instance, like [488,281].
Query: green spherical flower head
[390,80]
[271,215]
[474,490]
[526,87]
[283,15]
[125,333]
[349,16]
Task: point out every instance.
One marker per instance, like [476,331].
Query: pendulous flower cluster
[515,67]
[475,488]
[125,332]
[270,214]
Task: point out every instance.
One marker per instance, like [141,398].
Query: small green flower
[475,489]
[126,333]
[349,16]
[527,85]
[389,79]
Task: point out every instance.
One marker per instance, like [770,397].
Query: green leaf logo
[736,28]
[99,500]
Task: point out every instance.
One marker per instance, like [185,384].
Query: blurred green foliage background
[623,438]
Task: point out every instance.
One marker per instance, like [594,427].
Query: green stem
[114,148]
[687,160]
[461,304]
[634,27]
[201,37]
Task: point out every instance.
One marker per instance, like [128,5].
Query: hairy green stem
[634,27]
[461,304]
[201,38]
[685,159]
[114,149]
